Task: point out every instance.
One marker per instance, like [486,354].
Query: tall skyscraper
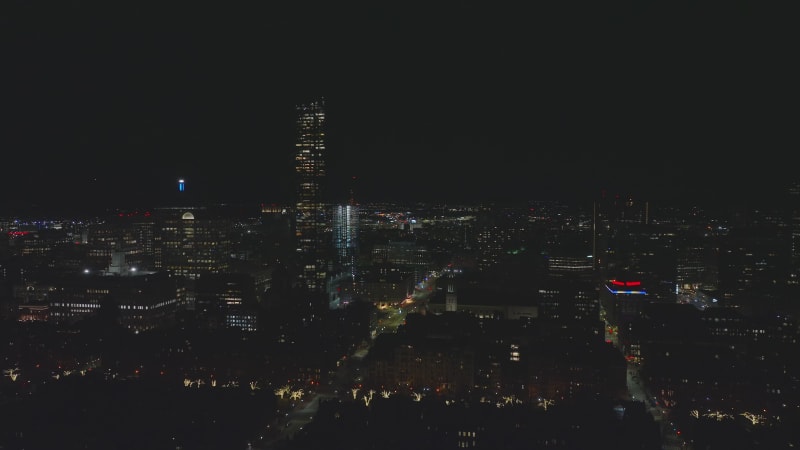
[310,211]
[793,206]
[345,238]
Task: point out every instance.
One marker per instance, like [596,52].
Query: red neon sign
[626,283]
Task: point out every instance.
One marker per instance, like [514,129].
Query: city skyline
[109,106]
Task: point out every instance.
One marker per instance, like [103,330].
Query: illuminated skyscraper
[189,243]
[310,171]
[345,238]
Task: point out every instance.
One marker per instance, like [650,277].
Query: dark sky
[108,103]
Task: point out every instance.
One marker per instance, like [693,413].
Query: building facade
[310,211]
[345,238]
[190,243]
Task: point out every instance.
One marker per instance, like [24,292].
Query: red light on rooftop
[626,283]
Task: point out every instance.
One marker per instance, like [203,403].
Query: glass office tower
[310,212]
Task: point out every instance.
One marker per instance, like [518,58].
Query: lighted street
[305,405]
[670,436]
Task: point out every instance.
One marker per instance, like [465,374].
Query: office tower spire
[310,171]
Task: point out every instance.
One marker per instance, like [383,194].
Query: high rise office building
[310,211]
[793,206]
[344,277]
[191,242]
[345,238]
[613,215]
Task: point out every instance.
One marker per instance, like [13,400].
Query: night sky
[109,103]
